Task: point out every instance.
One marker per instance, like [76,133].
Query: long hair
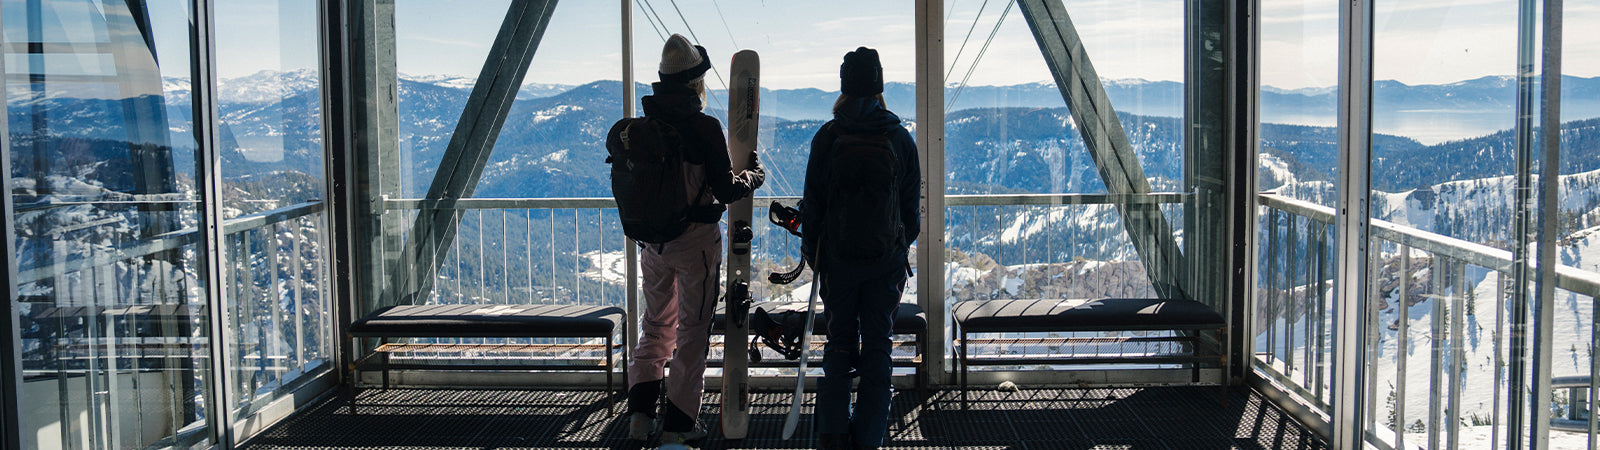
[699,88]
[846,98]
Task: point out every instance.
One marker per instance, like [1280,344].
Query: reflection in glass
[112,320]
[1297,162]
[270,108]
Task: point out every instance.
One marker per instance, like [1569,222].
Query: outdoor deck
[1124,418]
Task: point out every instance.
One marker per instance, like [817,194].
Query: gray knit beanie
[682,62]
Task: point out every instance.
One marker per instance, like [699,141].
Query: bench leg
[611,394]
[961,358]
[355,387]
[385,363]
[922,380]
[1194,349]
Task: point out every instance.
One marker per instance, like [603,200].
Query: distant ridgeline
[1000,140]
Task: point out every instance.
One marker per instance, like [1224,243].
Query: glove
[757,175]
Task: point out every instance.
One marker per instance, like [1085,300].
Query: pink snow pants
[681,285]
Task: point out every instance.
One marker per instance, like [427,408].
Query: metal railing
[571,250]
[114,311]
[1409,267]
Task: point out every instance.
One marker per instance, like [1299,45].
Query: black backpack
[862,223]
[647,179]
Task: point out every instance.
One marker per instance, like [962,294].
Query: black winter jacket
[681,109]
[862,115]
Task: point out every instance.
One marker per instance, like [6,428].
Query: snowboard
[793,420]
[744,107]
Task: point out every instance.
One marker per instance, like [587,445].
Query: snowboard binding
[781,334]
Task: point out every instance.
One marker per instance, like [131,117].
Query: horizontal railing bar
[1064,199]
[950,200]
[276,216]
[1572,381]
[526,203]
[169,241]
[1567,278]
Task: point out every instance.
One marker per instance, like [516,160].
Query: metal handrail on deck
[1445,249]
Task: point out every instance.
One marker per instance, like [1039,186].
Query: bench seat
[494,321]
[489,321]
[1107,314]
[1186,318]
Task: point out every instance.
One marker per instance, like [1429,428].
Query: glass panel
[550,146]
[1298,161]
[111,304]
[801,46]
[1010,135]
[1443,157]
[270,104]
[1008,131]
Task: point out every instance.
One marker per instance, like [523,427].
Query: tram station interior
[1348,224]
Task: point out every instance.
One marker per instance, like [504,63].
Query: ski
[744,106]
[793,420]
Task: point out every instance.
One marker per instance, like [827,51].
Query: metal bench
[909,320]
[1186,318]
[493,321]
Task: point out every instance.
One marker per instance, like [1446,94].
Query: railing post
[1436,336]
[1594,373]
[1457,353]
[1402,346]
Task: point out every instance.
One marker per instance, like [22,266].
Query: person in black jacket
[681,276]
[859,293]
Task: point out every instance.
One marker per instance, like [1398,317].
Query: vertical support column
[629,249]
[208,170]
[1239,190]
[1549,208]
[11,352]
[339,235]
[1208,151]
[1354,217]
[930,142]
[1517,402]
[375,143]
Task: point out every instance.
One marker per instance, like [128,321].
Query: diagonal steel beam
[1107,142]
[473,140]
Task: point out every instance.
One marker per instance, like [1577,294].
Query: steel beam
[1548,224]
[473,140]
[1107,142]
[1522,228]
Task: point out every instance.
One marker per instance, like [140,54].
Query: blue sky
[1416,42]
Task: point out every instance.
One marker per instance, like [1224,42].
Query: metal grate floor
[1120,418]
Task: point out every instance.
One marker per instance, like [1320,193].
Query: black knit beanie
[861,75]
